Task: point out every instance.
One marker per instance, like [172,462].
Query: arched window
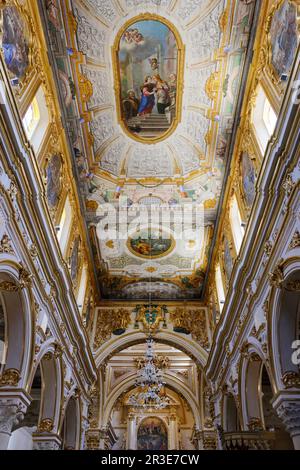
[220,288]
[64,227]
[82,289]
[36,120]
[264,119]
[236,223]
[32,118]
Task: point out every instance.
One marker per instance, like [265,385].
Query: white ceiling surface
[198,24]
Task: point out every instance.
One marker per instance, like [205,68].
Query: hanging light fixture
[149,380]
[150,383]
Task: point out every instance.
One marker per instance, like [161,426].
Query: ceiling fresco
[154,87]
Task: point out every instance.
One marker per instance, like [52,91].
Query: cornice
[267,208]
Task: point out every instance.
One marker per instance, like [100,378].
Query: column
[103,434]
[10,415]
[198,438]
[46,441]
[131,432]
[173,434]
[288,411]
[13,406]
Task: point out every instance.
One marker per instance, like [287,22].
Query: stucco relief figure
[147,67]
[15,42]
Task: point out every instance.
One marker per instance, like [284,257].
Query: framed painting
[151,244]
[15,39]
[248,178]
[284,37]
[152,435]
[54,183]
[148,57]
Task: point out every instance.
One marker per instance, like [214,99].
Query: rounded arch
[284,318]
[50,363]
[231,415]
[71,424]
[250,371]
[171,382]
[18,311]
[186,345]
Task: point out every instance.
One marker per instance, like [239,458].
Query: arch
[17,305]
[283,318]
[231,418]
[250,385]
[171,382]
[71,425]
[257,390]
[49,360]
[190,347]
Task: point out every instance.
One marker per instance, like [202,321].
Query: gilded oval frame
[180,76]
[152,257]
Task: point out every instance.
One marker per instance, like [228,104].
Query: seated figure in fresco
[148,97]
[130,105]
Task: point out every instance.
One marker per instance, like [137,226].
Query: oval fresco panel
[151,244]
[148,60]
[15,41]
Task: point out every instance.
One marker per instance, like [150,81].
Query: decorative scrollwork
[10,377]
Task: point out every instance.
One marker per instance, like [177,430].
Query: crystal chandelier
[150,383]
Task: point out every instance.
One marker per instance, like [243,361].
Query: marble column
[131,432]
[13,406]
[288,410]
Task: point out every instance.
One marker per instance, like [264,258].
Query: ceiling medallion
[148,60]
[151,244]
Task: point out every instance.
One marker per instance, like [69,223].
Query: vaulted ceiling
[118,172]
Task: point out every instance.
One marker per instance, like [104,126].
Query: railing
[248,440]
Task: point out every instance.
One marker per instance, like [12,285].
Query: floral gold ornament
[191,321]
[295,242]
[291,379]
[10,377]
[46,425]
[5,245]
[111,321]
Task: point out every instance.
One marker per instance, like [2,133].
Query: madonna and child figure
[148,57]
